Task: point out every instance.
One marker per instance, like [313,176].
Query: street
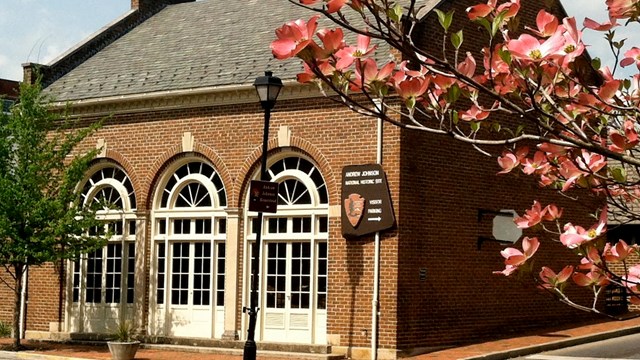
[625,347]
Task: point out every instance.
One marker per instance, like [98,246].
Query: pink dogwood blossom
[293,37]
[529,48]
[547,24]
[621,9]
[617,252]
[515,258]
[332,5]
[475,113]
[632,56]
[592,278]
[605,26]
[552,280]
[574,236]
[531,217]
[347,55]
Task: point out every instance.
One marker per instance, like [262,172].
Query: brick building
[180,146]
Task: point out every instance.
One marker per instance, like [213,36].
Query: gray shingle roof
[187,46]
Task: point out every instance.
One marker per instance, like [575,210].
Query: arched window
[300,182]
[103,280]
[196,185]
[295,254]
[189,230]
[110,184]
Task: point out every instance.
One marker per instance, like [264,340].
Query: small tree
[42,218]
[529,96]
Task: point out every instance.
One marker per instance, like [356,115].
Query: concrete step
[238,352]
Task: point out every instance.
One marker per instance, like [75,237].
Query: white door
[287,296]
[103,288]
[189,308]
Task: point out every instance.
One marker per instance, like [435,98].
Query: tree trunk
[16,311]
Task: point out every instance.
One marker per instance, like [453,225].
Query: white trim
[182,98]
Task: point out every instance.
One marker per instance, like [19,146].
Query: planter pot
[123,350]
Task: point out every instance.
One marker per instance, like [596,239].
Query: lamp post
[268,88]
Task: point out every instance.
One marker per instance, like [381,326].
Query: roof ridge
[90,46]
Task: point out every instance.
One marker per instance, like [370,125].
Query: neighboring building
[8,93]
[179,149]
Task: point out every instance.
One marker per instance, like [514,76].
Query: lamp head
[268,88]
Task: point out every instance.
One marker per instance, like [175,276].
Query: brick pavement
[485,350]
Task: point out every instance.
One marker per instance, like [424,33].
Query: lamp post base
[250,350]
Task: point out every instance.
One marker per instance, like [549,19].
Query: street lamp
[268,88]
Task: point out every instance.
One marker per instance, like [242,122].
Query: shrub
[5,330]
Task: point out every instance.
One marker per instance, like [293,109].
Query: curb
[555,345]
[32,356]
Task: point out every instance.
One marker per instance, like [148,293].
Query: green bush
[5,329]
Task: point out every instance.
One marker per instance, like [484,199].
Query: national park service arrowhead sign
[366,204]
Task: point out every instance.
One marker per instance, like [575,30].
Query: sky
[41,30]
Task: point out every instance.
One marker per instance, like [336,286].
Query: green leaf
[395,13]
[454,93]
[457,39]
[485,24]
[496,127]
[445,19]
[519,130]
[619,44]
[505,55]
[610,35]
[410,102]
[40,170]
[596,63]
[475,126]
[619,174]
[454,117]
[497,22]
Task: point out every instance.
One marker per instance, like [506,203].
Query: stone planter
[123,350]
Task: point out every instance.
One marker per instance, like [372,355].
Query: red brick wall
[444,184]
[43,297]
[6,296]
[230,137]
[619,268]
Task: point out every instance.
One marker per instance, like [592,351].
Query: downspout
[61,292]
[23,302]
[376,261]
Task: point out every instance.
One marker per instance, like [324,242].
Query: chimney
[142,5]
[145,5]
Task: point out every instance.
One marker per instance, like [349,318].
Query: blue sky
[41,30]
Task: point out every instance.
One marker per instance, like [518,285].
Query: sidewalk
[544,340]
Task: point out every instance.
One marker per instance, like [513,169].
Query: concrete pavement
[539,341]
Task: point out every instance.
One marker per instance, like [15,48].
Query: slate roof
[207,43]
